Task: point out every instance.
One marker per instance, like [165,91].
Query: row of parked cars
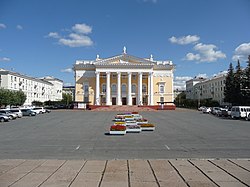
[14,113]
[235,112]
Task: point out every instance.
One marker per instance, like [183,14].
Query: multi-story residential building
[35,89]
[123,80]
[212,88]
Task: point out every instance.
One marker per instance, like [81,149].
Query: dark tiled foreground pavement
[127,173]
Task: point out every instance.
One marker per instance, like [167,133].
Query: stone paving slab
[125,173]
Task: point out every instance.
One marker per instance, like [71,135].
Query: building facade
[123,80]
[35,89]
[212,88]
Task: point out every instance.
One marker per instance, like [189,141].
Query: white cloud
[206,53]
[4,59]
[220,73]
[242,52]
[76,40]
[2,26]
[19,27]
[77,37]
[68,84]
[82,28]
[67,70]
[151,1]
[203,75]
[191,57]
[53,35]
[184,40]
[180,82]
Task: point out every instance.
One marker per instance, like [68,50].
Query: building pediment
[123,60]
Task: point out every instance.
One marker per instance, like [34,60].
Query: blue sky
[46,37]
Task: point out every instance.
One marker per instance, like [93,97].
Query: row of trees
[12,98]
[181,101]
[66,101]
[237,89]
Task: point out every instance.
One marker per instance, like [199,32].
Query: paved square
[81,135]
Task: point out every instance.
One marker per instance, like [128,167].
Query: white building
[212,88]
[35,89]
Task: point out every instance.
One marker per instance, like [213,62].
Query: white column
[97,88]
[108,89]
[151,93]
[118,97]
[139,102]
[129,101]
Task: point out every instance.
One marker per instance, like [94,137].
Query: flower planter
[117,130]
[120,123]
[130,123]
[133,128]
[147,127]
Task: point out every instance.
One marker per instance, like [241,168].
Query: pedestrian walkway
[125,173]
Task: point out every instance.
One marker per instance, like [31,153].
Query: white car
[206,110]
[4,118]
[39,110]
[17,111]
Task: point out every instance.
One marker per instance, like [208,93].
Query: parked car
[28,112]
[222,112]
[4,118]
[201,108]
[206,110]
[240,111]
[215,110]
[9,114]
[39,110]
[16,111]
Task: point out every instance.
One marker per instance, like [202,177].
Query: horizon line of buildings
[36,89]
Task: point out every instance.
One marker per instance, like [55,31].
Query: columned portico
[118,98]
[124,80]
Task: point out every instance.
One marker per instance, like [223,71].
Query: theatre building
[123,80]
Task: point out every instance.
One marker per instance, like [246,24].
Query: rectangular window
[133,77]
[161,99]
[114,76]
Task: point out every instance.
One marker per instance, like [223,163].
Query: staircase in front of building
[124,108]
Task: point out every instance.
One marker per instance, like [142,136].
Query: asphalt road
[83,135]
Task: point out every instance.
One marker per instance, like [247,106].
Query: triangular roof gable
[123,59]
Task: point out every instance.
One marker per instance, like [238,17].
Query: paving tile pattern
[125,173]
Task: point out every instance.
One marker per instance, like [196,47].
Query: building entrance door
[113,100]
[124,101]
[134,101]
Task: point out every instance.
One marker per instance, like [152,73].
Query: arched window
[113,89]
[104,88]
[144,88]
[133,88]
[124,88]
[161,88]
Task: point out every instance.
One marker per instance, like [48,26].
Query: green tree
[67,98]
[229,86]
[246,84]
[238,85]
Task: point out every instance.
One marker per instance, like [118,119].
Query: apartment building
[36,89]
[210,88]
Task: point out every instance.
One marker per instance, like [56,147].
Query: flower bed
[147,127]
[133,128]
[131,123]
[117,129]
[142,121]
[120,123]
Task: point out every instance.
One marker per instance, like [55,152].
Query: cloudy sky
[40,38]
